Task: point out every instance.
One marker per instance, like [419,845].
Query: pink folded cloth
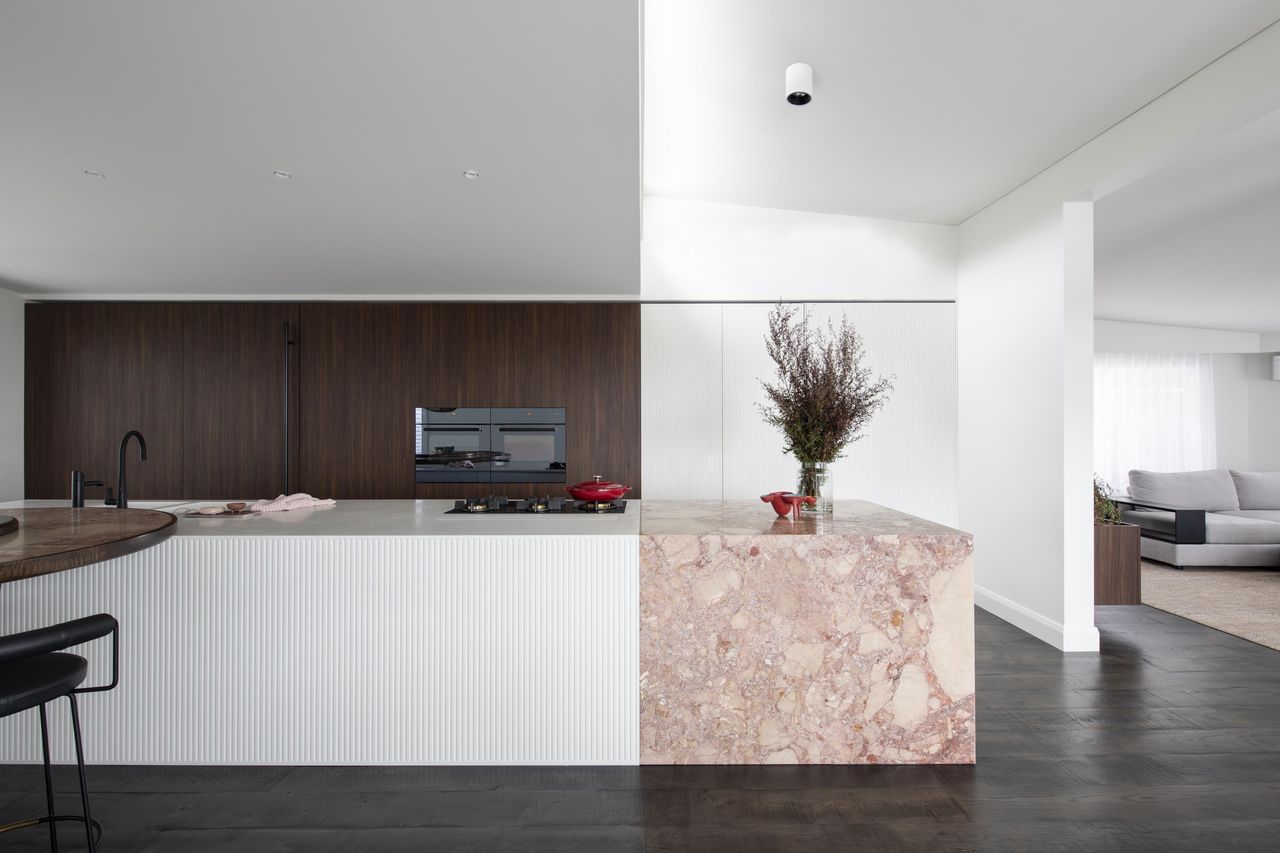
[287,502]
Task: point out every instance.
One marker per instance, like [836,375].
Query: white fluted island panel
[453,649]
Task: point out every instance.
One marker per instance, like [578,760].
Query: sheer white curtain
[1152,411]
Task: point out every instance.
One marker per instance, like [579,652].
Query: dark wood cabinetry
[93,372]
[240,373]
[530,354]
[206,384]
[355,420]
[603,400]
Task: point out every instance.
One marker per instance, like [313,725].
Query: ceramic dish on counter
[214,511]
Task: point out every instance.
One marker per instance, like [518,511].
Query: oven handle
[528,429]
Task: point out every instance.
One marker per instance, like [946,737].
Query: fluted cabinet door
[754,462]
[906,458]
[681,401]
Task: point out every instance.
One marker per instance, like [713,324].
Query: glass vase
[815,481]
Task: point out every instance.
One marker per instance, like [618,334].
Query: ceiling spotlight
[471,174]
[97,176]
[799,84]
[282,175]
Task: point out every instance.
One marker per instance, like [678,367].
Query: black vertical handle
[285,408]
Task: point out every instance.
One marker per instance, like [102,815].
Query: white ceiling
[375,108]
[1198,242]
[922,110]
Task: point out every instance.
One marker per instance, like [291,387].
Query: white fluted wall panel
[680,401]
[701,380]
[353,650]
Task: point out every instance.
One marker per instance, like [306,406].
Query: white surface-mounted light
[97,176]
[282,175]
[799,84]
[471,174]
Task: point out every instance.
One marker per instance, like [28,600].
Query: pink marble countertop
[841,640]
[756,518]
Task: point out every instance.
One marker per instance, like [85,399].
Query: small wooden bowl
[237,506]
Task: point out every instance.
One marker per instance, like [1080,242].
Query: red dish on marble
[787,503]
[597,490]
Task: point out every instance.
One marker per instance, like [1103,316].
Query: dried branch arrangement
[824,395]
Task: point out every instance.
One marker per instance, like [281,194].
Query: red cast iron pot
[597,490]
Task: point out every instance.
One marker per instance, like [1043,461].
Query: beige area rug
[1244,602]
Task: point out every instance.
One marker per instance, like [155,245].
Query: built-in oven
[483,445]
[531,442]
[452,445]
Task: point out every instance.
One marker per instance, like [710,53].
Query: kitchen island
[840,640]
[386,632]
[372,632]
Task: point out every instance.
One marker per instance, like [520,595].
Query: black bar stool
[33,672]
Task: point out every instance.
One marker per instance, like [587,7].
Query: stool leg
[48,778]
[84,785]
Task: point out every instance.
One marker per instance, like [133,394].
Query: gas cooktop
[545,505]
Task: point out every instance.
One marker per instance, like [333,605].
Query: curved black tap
[122,497]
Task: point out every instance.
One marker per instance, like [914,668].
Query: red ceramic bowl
[597,490]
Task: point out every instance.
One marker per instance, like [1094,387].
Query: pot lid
[597,482]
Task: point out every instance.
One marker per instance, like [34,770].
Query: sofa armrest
[1188,523]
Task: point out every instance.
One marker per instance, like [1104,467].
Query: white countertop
[383,518]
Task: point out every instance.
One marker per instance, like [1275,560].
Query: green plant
[1105,510]
[824,395]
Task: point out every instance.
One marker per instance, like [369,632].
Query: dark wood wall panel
[235,360]
[204,383]
[530,354]
[355,422]
[603,383]
[93,372]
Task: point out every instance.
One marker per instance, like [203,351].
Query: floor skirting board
[1074,639]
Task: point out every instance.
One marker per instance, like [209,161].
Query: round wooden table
[54,539]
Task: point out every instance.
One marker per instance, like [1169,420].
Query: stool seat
[34,681]
[34,670]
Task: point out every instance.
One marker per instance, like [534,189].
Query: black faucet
[122,497]
[78,483]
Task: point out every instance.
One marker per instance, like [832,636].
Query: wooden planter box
[1117,564]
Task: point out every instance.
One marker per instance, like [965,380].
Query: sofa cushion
[1221,528]
[1264,514]
[1257,490]
[1208,490]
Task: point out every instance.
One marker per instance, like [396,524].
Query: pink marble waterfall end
[841,641]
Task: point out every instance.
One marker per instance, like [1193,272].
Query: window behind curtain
[1152,411]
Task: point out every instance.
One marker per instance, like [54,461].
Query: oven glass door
[535,453]
[458,453]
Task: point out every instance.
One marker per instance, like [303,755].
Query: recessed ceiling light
[471,174]
[282,175]
[97,176]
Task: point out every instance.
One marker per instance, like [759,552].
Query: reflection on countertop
[379,518]
[756,518]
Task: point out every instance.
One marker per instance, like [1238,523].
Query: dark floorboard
[1167,740]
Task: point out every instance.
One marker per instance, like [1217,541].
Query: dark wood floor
[1168,740]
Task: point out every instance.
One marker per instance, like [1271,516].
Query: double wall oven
[489,445]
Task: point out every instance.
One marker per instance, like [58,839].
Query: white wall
[703,437]
[1264,415]
[11,394]
[1118,336]
[1231,410]
[1026,349]
[696,250]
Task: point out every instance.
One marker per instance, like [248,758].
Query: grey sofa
[1206,518]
